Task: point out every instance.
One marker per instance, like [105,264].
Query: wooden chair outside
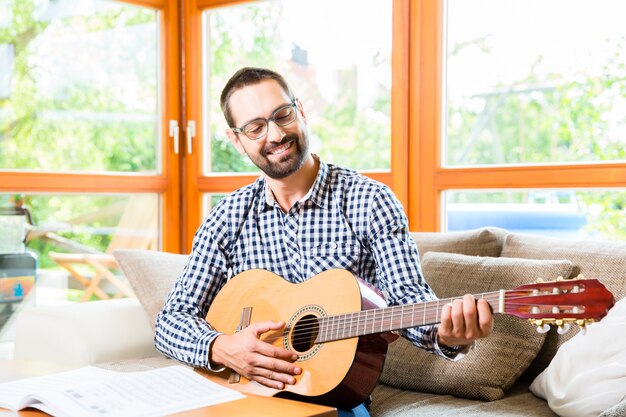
[137,229]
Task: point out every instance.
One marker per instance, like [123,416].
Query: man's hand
[256,360]
[464,321]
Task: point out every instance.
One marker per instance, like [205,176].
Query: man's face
[284,149]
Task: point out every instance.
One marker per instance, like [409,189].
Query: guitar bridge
[244,321]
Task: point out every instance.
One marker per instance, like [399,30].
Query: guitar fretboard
[345,326]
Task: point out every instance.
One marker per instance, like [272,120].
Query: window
[510,117]
[86,223]
[84,106]
[350,80]
[553,94]
[576,214]
[79,89]
[341,74]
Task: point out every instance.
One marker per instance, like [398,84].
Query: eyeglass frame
[267,121]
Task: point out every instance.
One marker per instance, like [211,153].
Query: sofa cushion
[487,241]
[601,259]
[618,410]
[84,333]
[151,274]
[588,374]
[505,354]
[518,402]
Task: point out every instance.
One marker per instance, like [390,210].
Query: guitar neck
[380,320]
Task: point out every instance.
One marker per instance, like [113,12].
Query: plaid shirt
[346,221]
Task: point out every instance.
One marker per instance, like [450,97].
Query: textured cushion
[487,241]
[518,402]
[618,410]
[486,372]
[588,374]
[601,259]
[151,275]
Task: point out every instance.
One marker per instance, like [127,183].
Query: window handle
[191,133]
[174,134]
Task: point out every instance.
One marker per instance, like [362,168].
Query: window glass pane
[338,64]
[82,230]
[82,223]
[556,93]
[564,213]
[78,86]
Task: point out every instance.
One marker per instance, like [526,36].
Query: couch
[492,380]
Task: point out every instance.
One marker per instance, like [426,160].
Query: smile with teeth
[280,149]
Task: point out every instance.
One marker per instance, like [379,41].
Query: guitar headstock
[562,302]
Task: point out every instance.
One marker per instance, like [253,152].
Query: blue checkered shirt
[346,221]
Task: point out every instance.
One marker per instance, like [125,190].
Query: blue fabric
[359,411]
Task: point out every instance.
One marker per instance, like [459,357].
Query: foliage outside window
[78,90]
[78,93]
[548,97]
[342,74]
[544,96]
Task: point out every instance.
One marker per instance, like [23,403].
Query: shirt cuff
[209,366]
[453,353]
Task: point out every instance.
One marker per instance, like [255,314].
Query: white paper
[156,392]
[12,394]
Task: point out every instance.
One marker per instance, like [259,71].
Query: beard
[287,165]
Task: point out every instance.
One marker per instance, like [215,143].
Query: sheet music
[151,393]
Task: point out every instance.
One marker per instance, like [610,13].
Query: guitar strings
[305,331]
[342,319]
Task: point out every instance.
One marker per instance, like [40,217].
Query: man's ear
[301,109]
[234,139]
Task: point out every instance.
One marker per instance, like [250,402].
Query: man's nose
[274,132]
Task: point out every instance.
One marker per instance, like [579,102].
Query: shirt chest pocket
[334,255]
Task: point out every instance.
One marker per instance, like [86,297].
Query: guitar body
[340,373]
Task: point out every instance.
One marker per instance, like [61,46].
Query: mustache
[271,146]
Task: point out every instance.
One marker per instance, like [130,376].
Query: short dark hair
[244,77]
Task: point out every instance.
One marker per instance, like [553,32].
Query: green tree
[76,127]
[563,123]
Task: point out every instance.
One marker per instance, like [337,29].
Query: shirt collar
[318,194]
[320,191]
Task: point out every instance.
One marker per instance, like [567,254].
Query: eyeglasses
[257,129]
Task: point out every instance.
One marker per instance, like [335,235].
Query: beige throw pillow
[497,361]
[486,241]
[151,274]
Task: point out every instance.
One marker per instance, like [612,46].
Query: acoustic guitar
[340,327]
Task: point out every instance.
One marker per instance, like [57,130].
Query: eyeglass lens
[256,129]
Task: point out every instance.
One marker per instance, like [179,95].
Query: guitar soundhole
[304,333]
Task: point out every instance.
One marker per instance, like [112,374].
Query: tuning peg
[580,276]
[538,280]
[564,328]
[560,278]
[582,324]
[543,328]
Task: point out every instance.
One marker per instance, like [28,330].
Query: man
[299,218]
